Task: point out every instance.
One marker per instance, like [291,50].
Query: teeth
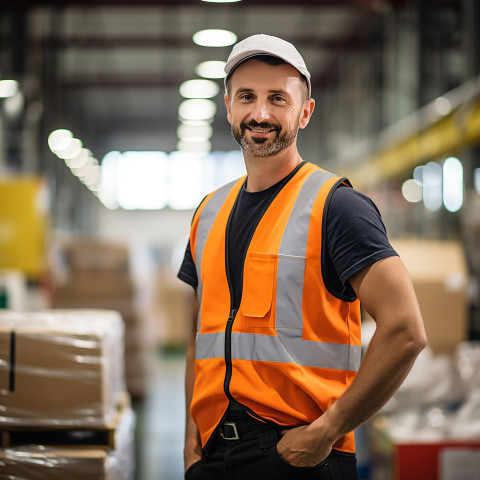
[260,130]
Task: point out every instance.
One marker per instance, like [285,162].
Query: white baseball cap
[262,44]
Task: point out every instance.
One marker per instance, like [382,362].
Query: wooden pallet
[96,436]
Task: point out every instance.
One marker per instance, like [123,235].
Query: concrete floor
[160,421]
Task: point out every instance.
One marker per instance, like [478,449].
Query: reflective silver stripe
[205,222]
[292,251]
[210,345]
[266,348]
[250,346]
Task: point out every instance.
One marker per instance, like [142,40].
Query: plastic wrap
[60,368]
[38,462]
[440,398]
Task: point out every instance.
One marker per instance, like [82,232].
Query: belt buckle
[235,431]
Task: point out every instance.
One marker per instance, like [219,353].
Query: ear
[228,105]
[307,111]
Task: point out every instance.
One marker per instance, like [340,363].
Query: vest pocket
[258,284]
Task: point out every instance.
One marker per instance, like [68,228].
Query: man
[280,261]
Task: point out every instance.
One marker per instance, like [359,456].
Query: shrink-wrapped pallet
[60,368]
[74,462]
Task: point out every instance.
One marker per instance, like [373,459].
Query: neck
[263,172]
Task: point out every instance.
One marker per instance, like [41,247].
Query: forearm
[386,363]
[387,294]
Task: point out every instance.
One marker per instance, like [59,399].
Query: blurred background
[113,128]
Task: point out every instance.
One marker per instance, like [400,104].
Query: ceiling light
[185,132]
[197,109]
[443,106]
[80,159]
[14,105]
[201,146]
[83,171]
[8,88]
[214,38]
[199,89]
[453,184]
[211,69]
[221,1]
[412,191]
[71,150]
[432,186]
[59,139]
[205,121]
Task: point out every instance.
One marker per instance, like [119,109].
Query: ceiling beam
[165,41]
[178,3]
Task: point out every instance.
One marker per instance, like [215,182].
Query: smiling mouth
[260,130]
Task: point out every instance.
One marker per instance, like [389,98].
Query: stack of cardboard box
[98,275]
[64,412]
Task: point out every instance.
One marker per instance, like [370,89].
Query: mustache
[254,124]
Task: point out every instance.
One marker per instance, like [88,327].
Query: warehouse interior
[112,130]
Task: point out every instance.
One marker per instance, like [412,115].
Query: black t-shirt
[355,238]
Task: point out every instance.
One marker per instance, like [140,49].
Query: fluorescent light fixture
[195,146]
[432,186]
[197,109]
[211,69]
[202,131]
[443,106]
[199,88]
[221,1]
[84,171]
[476,179]
[80,159]
[214,38]
[71,150]
[418,175]
[59,139]
[93,178]
[8,88]
[453,184]
[412,191]
[13,105]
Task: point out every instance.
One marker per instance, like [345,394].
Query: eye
[278,98]
[245,96]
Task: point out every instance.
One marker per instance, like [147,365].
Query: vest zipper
[233,311]
[228,354]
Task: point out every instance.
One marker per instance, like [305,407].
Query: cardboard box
[173,309]
[97,284]
[61,367]
[91,254]
[439,273]
[42,462]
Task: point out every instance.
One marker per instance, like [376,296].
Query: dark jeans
[255,457]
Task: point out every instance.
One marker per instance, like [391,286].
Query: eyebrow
[251,90]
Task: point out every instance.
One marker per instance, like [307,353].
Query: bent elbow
[417,339]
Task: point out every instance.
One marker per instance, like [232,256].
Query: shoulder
[348,201]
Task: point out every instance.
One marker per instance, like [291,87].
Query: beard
[263,147]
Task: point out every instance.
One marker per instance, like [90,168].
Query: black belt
[237,425]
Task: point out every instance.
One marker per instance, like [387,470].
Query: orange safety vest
[292,348]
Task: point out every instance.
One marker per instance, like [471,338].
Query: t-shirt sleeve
[188,272]
[355,238]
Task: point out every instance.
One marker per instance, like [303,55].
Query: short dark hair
[271,60]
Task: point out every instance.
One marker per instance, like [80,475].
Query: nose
[261,111]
